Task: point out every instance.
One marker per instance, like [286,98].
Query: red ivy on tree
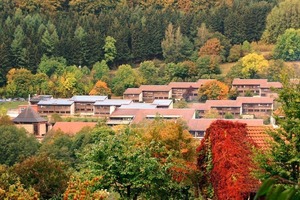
[225,158]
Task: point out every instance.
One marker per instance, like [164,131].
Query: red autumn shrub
[225,158]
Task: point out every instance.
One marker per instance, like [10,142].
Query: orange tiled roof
[72,127]
[259,136]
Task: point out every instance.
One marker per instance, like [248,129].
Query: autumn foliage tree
[212,47]
[178,142]
[214,90]
[225,158]
[100,88]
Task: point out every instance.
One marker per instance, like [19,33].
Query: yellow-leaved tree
[254,65]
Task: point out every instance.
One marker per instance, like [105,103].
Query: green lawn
[12,104]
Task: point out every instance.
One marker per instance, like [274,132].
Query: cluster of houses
[150,101]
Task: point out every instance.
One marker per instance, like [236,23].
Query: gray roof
[113,102]
[139,106]
[29,115]
[64,102]
[87,98]
[162,102]
[40,97]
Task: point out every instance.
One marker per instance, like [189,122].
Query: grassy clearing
[12,104]
[295,65]
[225,67]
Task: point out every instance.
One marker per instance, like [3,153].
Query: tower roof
[29,115]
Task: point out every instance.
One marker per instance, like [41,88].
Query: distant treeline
[76,30]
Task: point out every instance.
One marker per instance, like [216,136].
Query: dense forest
[50,39]
[68,47]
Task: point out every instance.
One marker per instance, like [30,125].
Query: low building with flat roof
[106,107]
[58,106]
[84,104]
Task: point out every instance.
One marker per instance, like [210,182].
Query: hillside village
[152,101]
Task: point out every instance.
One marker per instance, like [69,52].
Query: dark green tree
[283,16]
[282,161]
[288,46]
[16,145]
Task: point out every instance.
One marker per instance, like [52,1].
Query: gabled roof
[254,100]
[64,102]
[238,81]
[260,136]
[72,127]
[119,112]
[223,103]
[200,106]
[271,85]
[88,98]
[28,115]
[185,114]
[202,124]
[155,88]
[184,85]
[136,91]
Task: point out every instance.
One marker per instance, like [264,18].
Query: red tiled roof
[155,88]
[132,91]
[185,114]
[185,85]
[271,84]
[238,81]
[72,127]
[124,112]
[259,136]
[254,100]
[223,103]
[202,124]
[199,106]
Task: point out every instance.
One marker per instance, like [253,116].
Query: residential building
[135,94]
[255,87]
[251,106]
[84,104]
[257,106]
[106,107]
[186,90]
[226,107]
[58,106]
[152,92]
